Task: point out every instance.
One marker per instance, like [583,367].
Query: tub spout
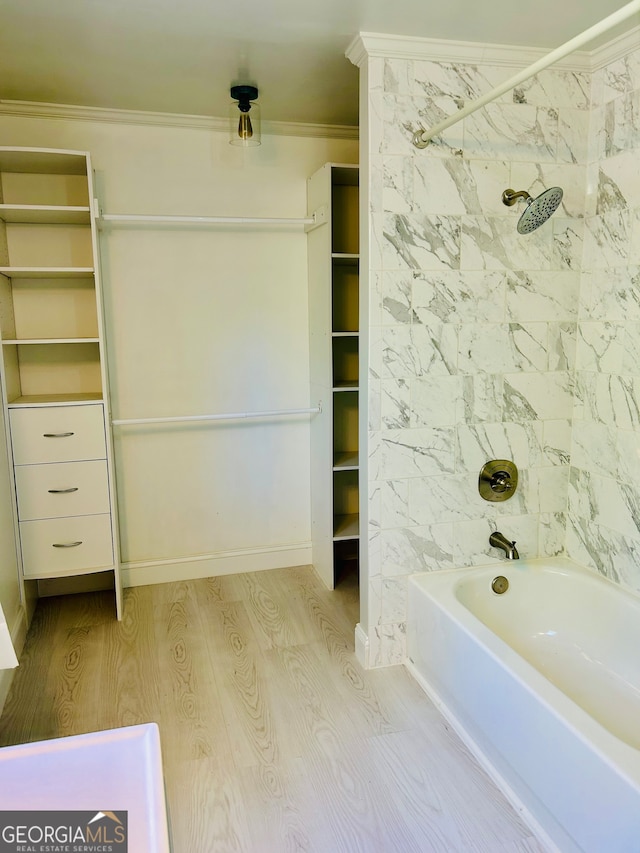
[497,540]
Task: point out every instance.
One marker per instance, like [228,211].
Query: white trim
[72,112]
[362,646]
[203,220]
[142,573]
[442,50]
[230,416]
[615,49]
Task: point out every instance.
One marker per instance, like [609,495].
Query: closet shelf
[33,400]
[346,527]
[27,341]
[43,161]
[345,257]
[47,272]
[42,214]
[345,460]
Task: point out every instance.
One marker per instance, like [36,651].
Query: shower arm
[510,197]
[421,138]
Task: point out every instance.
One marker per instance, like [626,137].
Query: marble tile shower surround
[603,522]
[486,344]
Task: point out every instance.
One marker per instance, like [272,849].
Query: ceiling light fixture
[245,116]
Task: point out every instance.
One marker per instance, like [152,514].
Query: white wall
[203,320]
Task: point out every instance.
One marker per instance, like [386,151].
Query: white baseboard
[362,646]
[143,573]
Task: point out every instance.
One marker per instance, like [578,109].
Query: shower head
[538,210]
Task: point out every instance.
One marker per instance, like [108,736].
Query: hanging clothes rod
[421,138]
[205,220]
[232,416]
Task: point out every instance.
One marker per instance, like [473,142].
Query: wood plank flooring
[273,737]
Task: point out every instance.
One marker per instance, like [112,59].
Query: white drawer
[57,434]
[42,559]
[62,488]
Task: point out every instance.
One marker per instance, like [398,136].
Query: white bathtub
[543,683]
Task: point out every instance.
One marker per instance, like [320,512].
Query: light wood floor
[273,737]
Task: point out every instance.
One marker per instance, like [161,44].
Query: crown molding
[615,49]
[356,52]
[70,112]
[366,45]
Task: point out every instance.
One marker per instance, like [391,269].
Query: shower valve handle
[498,480]
[501,482]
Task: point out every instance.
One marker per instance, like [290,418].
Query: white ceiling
[181,56]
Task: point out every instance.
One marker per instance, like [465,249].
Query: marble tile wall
[473,328]
[603,529]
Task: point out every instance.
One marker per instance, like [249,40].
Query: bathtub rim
[554,565]
[620,756]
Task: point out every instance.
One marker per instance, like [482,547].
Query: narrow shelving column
[334,356]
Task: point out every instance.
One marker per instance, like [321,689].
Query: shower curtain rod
[421,138]
[232,416]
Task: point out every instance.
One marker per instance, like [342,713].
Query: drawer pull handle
[67,544]
[62,491]
[57,434]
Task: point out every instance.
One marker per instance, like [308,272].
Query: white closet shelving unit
[334,352]
[53,370]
